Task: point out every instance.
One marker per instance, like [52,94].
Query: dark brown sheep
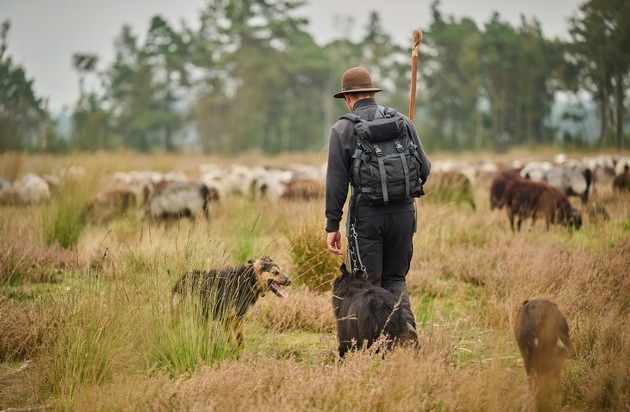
[542,335]
[566,214]
[498,185]
[303,189]
[525,198]
[109,204]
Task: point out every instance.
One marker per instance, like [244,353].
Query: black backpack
[386,167]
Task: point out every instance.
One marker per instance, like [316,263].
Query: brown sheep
[542,335]
[498,185]
[304,189]
[566,214]
[525,198]
[110,203]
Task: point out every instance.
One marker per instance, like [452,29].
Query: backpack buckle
[399,147]
[378,151]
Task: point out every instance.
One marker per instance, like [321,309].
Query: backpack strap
[380,113]
[352,116]
[386,112]
[381,169]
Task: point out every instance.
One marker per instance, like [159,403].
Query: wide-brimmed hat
[355,80]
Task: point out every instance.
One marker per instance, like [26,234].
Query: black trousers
[384,247]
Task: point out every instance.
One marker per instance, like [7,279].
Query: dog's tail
[396,328]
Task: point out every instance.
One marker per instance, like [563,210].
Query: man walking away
[377,152]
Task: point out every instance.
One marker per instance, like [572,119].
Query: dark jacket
[341,148]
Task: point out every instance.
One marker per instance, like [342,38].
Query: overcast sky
[45,33]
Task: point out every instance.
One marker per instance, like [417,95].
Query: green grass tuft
[63,218]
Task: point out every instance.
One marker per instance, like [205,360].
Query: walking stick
[415,45]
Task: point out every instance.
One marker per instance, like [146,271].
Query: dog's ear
[257,264]
[344,269]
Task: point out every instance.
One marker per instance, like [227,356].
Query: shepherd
[377,151]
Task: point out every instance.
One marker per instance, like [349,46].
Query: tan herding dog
[542,334]
[226,294]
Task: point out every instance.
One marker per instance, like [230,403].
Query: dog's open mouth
[277,289]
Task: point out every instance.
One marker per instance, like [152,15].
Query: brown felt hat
[355,80]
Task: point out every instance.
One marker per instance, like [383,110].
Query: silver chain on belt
[353,252]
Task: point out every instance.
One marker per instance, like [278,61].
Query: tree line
[251,76]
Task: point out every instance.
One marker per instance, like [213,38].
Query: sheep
[110,203]
[304,189]
[270,183]
[536,171]
[542,335]
[486,170]
[215,185]
[566,214]
[305,171]
[5,183]
[30,189]
[498,185]
[238,179]
[140,183]
[525,198]
[622,164]
[573,178]
[180,199]
[602,166]
[621,182]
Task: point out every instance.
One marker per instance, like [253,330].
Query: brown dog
[542,334]
[226,294]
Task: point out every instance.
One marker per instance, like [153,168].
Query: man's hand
[334,242]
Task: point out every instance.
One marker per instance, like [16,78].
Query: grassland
[87,328]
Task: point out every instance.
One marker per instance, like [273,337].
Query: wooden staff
[415,46]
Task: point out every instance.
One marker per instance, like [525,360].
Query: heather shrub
[23,326]
[303,310]
[25,261]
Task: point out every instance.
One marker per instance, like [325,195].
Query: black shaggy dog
[226,294]
[542,334]
[365,312]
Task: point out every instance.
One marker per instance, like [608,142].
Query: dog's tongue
[278,289]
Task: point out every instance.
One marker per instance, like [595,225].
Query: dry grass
[100,336]
[313,265]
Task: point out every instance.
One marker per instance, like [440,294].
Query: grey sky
[44,34]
